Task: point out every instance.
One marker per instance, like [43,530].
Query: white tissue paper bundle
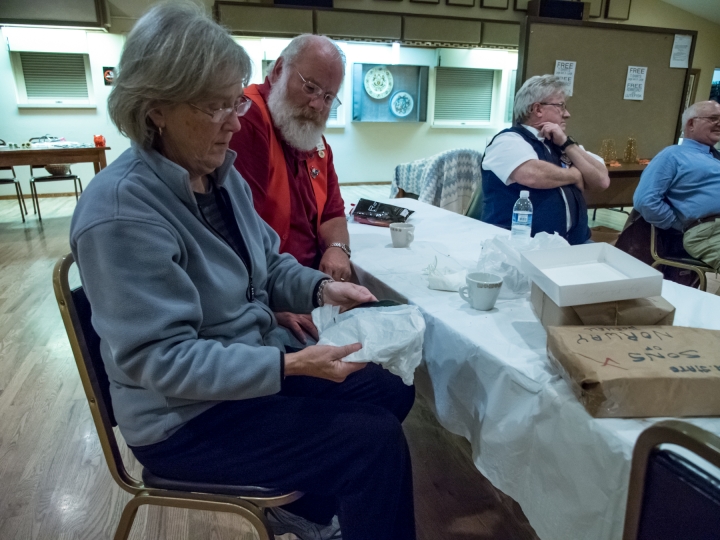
[501,256]
[390,336]
[444,279]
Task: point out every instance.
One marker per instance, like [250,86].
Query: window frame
[465,124]
[21,91]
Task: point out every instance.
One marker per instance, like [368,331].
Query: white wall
[364,152]
[369,151]
[79,125]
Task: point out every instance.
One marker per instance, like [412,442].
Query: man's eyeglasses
[218,116]
[712,119]
[315,91]
[561,106]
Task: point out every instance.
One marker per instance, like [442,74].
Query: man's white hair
[691,112]
[536,90]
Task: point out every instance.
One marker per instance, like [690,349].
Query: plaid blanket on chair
[446,180]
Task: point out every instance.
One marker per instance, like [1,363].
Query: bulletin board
[603,53]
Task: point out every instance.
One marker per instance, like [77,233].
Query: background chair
[670,497]
[245,501]
[18,190]
[662,249]
[34,180]
[446,180]
[686,263]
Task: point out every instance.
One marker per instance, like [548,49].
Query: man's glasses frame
[712,119]
[312,89]
[562,106]
[218,116]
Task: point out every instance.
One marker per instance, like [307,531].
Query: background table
[491,381]
[623,182]
[45,156]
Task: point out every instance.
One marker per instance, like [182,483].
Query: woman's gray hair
[174,54]
[298,45]
[535,90]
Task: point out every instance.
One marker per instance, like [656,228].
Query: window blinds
[463,94]
[54,75]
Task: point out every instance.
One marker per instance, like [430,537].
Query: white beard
[301,127]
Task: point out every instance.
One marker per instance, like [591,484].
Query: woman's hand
[298,324]
[323,361]
[346,295]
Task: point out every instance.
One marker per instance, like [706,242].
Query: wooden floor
[54,483]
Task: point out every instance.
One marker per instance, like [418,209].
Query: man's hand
[336,264]
[298,324]
[323,361]
[551,131]
[346,295]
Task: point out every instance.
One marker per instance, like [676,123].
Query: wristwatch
[344,247]
[568,142]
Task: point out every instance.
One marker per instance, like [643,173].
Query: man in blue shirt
[680,188]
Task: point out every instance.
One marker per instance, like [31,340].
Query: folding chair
[18,190]
[685,263]
[670,497]
[34,180]
[245,501]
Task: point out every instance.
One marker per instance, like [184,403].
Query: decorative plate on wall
[401,104]
[378,82]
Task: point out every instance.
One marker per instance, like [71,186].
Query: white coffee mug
[482,290]
[402,234]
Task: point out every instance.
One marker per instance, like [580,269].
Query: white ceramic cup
[482,290]
[402,234]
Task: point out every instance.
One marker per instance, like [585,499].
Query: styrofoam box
[589,274]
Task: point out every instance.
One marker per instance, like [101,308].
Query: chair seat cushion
[153,481]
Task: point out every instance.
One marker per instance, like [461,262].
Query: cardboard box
[640,371]
[638,311]
[590,274]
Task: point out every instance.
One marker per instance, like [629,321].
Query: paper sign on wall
[635,83]
[565,70]
[680,55]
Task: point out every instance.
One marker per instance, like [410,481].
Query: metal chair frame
[700,442]
[248,507]
[685,263]
[51,178]
[18,189]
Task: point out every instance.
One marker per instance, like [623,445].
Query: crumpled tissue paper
[444,279]
[390,336]
[501,256]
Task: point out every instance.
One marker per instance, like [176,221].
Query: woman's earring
[160,130]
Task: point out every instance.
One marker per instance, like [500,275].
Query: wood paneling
[359,25]
[258,21]
[442,30]
[617,9]
[500,35]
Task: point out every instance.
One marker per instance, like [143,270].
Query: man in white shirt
[536,155]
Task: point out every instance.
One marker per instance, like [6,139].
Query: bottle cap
[524,194]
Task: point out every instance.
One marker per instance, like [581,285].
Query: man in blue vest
[536,155]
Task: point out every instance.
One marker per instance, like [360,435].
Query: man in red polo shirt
[283,156]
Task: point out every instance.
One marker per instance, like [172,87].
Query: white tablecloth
[493,383]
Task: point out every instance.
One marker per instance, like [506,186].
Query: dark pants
[341,444]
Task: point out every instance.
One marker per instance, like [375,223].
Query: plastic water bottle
[522,218]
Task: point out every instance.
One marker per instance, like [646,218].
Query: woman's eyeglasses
[218,116]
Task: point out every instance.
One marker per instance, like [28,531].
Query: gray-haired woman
[183,277]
